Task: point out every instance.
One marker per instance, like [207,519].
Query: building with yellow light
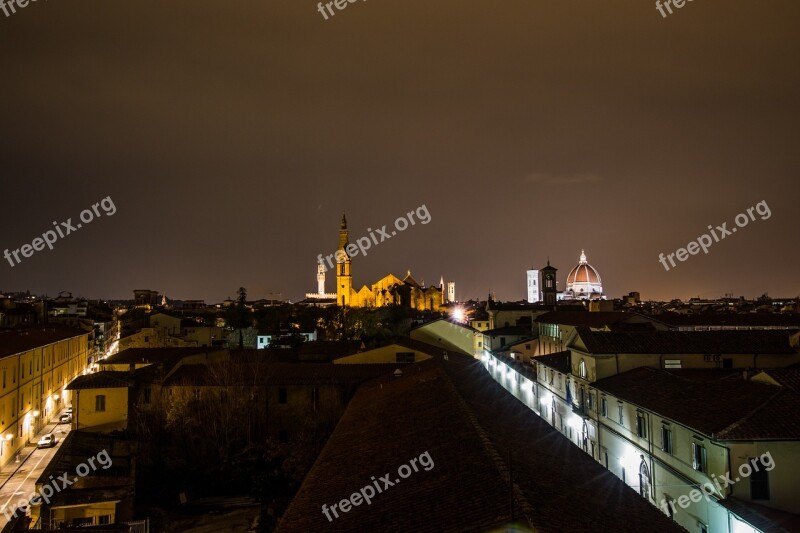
[389,290]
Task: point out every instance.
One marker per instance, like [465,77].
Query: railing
[139,526]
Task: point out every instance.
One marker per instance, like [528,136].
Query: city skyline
[232,142]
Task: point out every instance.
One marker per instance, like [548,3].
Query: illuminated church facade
[389,290]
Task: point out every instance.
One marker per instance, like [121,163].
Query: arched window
[644,479]
[582,369]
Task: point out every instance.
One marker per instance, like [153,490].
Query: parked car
[65,419]
[47,441]
[69,410]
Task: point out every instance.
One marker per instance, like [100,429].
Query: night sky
[231,136]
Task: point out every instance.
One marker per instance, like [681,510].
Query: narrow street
[18,480]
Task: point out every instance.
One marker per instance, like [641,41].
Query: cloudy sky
[232,135]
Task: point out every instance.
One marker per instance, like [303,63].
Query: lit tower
[344,281]
[320,278]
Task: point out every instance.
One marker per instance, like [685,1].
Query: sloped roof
[269,373]
[105,379]
[385,426]
[19,340]
[695,342]
[442,407]
[585,318]
[743,320]
[763,518]
[726,402]
[154,355]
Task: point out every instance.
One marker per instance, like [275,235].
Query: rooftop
[19,340]
[105,379]
[154,355]
[460,416]
[733,408]
[586,318]
[686,342]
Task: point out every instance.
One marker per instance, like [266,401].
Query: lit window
[582,369]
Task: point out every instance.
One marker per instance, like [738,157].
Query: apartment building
[36,364]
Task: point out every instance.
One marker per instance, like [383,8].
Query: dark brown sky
[231,135]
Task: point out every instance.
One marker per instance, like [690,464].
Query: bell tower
[344,281]
[549,286]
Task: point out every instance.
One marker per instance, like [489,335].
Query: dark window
[104,519]
[282,395]
[759,482]
[641,425]
[619,411]
[146,395]
[404,357]
[698,457]
[666,439]
[100,403]
[604,407]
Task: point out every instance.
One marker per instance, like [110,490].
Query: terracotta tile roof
[262,374]
[710,406]
[743,320]
[386,425]
[777,419]
[442,407]
[105,379]
[584,318]
[694,342]
[763,518]
[508,330]
[154,355]
[566,488]
[19,340]
[787,377]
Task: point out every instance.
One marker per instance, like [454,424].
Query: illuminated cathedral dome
[583,281]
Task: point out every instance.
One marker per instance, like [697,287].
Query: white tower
[320,278]
[534,286]
[451,291]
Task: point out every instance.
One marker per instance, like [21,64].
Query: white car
[47,441]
